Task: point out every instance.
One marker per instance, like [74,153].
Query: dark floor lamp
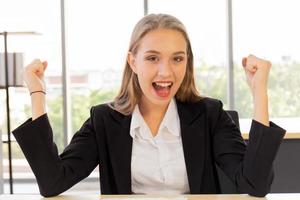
[6,86]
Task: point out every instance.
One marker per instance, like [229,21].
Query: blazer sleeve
[249,166]
[57,173]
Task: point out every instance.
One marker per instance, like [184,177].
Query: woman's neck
[153,114]
[149,109]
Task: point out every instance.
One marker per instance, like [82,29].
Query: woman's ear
[131,61]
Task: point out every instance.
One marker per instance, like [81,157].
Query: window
[98,36]
[268,29]
[31,15]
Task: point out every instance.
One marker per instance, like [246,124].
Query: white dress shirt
[157,163]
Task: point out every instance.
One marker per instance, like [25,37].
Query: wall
[286,168]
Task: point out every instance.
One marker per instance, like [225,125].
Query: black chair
[227,186]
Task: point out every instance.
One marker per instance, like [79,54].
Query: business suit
[208,134]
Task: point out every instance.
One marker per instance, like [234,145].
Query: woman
[158,135]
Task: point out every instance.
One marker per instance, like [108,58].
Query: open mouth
[162,89]
[160,85]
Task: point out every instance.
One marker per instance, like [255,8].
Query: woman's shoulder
[207,102]
[105,110]
[212,103]
[104,107]
[207,106]
[213,107]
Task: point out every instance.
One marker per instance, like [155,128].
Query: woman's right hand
[34,79]
[34,75]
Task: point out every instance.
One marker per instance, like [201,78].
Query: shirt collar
[136,121]
[170,120]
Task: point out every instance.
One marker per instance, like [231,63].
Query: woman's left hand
[257,72]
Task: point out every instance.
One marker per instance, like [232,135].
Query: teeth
[163,84]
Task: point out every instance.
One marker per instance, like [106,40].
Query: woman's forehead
[163,40]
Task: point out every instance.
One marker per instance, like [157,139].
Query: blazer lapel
[192,123]
[120,149]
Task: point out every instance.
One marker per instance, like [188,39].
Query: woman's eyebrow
[152,51]
[157,52]
[179,52]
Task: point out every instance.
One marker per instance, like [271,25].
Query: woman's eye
[153,59]
[178,59]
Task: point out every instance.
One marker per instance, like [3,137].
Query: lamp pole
[5,34]
[7,112]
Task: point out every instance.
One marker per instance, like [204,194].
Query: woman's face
[160,64]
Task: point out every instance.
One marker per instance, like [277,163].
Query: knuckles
[253,60]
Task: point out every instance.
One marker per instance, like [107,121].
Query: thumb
[244,62]
[249,64]
[45,65]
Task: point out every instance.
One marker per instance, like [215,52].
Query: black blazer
[208,134]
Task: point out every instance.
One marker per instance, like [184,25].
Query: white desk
[286,196]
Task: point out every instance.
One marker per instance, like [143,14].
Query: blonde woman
[158,136]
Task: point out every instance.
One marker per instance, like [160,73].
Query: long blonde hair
[130,92]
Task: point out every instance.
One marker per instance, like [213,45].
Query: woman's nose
[164,69]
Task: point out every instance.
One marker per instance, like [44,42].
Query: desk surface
[286,196]
[294,135]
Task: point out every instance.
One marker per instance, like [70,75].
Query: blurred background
[85,44]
